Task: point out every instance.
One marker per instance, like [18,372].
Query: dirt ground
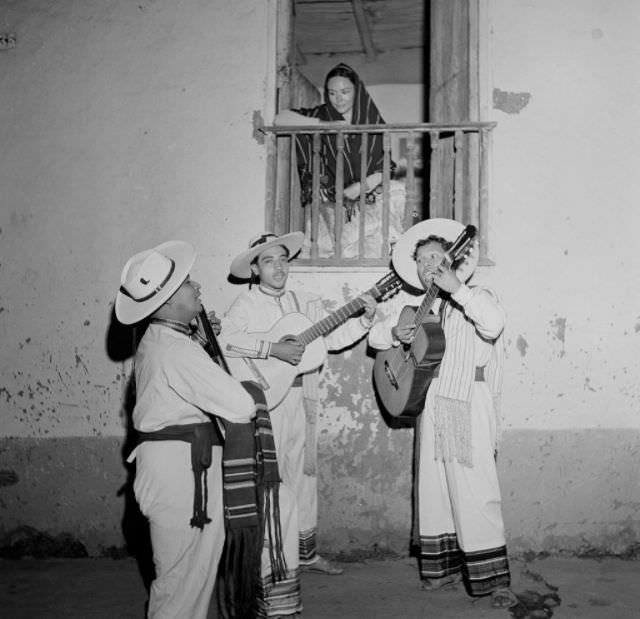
[551,587]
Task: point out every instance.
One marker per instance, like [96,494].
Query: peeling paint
[561,326]
[258,123]
[510,102]
[522,345]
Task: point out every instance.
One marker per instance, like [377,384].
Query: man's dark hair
[432,238]
[286,249]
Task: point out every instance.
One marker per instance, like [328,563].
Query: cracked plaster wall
[112,142]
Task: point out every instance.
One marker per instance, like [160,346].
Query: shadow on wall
[121,344]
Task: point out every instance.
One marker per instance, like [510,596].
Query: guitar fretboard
[333,320]
[426,304]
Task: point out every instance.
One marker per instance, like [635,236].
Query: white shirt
[177,382]
[479,304]
[254,311]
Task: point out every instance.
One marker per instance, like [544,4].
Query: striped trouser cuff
[307,545]
[280,598]
[484,570]
[440,556]
[487,570]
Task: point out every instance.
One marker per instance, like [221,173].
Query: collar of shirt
[176,325]
[271,293]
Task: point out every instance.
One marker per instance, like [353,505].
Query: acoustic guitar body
[402,374]
[273,375]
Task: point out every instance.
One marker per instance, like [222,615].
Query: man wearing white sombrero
[459,518]
[176,383]
[251,315]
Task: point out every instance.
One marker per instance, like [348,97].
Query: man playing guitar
[459,519]
[254,312]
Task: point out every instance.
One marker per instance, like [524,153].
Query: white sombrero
[403,250]
[150,278]
[241,265]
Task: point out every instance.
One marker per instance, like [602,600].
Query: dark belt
[479,377]
[201,436]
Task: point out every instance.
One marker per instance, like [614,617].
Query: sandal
[504,598]
[433,584]
[322,566]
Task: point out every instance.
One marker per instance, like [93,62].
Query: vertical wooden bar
[458,155]
[410,204]
[295,204]
[338,211]
[315,196]
[282,167]
[273,215]
[473,178]
[483,218]
[364,148]
[434,174]
[386,180]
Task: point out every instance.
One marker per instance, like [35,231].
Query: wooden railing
[446,175]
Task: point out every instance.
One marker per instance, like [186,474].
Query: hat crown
[261,239]
[143,278]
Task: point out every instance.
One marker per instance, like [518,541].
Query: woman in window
[346,101]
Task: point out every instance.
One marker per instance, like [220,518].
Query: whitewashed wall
[123,125]
[564,88]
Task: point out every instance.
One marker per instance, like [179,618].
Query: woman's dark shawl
[365,112]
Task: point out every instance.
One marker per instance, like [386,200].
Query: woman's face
[341,92]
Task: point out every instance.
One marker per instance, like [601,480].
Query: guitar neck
[333,320]
[427,302]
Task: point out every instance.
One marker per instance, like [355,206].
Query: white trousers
[289,430]
[185,557]
[459,499]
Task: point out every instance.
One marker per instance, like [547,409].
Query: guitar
[402,375]
[276,376]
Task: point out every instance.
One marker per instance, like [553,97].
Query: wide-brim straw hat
[241,265]
[404,248]
[150,278]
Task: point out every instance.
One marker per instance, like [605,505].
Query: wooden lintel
[363,28]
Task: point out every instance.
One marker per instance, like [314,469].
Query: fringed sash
[250,489]
[251,482]
[452,405]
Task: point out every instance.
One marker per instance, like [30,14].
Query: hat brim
[128,311]
[241,264]
[402,256]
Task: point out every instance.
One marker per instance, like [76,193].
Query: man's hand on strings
[404,333]
[370,305]
[288,349]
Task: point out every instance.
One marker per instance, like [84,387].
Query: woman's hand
[352,192]
[291,118]
[373,180]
